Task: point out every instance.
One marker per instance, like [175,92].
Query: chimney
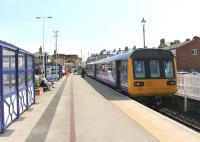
[176,41]
[40,50]
[126,48]
[196,38]
[134,47]
[162,41]
[187,39]
[119,51]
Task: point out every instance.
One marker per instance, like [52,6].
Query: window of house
[194,51]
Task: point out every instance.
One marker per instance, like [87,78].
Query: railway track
[187,121]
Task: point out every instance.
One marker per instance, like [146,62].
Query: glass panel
[30,78]
[108,67]
[21,79]
[6,63]
[169,72]
[154,68]
[8,59]
[29,63]
[9,83]
[139,69]
[21,61]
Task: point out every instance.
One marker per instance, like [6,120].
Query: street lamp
[56,45]
[143,24]
[43,22]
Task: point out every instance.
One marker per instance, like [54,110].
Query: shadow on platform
[7,133]
[105,91]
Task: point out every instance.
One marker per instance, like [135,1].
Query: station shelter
[17,77]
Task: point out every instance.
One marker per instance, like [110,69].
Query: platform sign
[51,71]
[48,72]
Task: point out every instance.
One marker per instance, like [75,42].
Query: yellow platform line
[161,127]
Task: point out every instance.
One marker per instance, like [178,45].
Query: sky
[94,25]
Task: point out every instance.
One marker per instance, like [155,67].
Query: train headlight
[171,82]
[138,83]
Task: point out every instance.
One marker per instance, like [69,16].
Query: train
[139,73]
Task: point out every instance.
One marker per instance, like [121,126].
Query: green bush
[37,83]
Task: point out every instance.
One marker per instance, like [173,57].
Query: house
[187,54]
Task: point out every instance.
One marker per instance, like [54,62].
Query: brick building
[187,54]
[63,59]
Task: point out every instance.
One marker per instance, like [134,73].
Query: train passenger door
[124,76]
[95,70]
[118,66]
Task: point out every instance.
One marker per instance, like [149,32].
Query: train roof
[149,53]
[138,53]
[121,57]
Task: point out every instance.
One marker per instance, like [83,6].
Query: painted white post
[185,92]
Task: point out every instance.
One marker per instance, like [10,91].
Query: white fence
[189,85]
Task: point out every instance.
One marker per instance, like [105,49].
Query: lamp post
[143,24]
[56,46]
[43,23]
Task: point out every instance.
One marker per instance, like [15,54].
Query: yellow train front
[152,73]
[140,72]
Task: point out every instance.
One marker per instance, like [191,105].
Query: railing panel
[22,100]
[10,109]
[189,85]
[31,96]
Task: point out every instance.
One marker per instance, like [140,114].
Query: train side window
[168,69]
[154,68]
[108,67]
[139,69]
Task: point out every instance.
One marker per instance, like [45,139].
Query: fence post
[26,80]
[185,93]
[17,81]
[33,72]
[1,92]
[185,103]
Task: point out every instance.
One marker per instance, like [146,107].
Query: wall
[185,60]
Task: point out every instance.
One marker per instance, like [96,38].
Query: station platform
[76,111]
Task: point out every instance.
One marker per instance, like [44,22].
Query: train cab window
[154,68]
[139,69]
[169,72]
